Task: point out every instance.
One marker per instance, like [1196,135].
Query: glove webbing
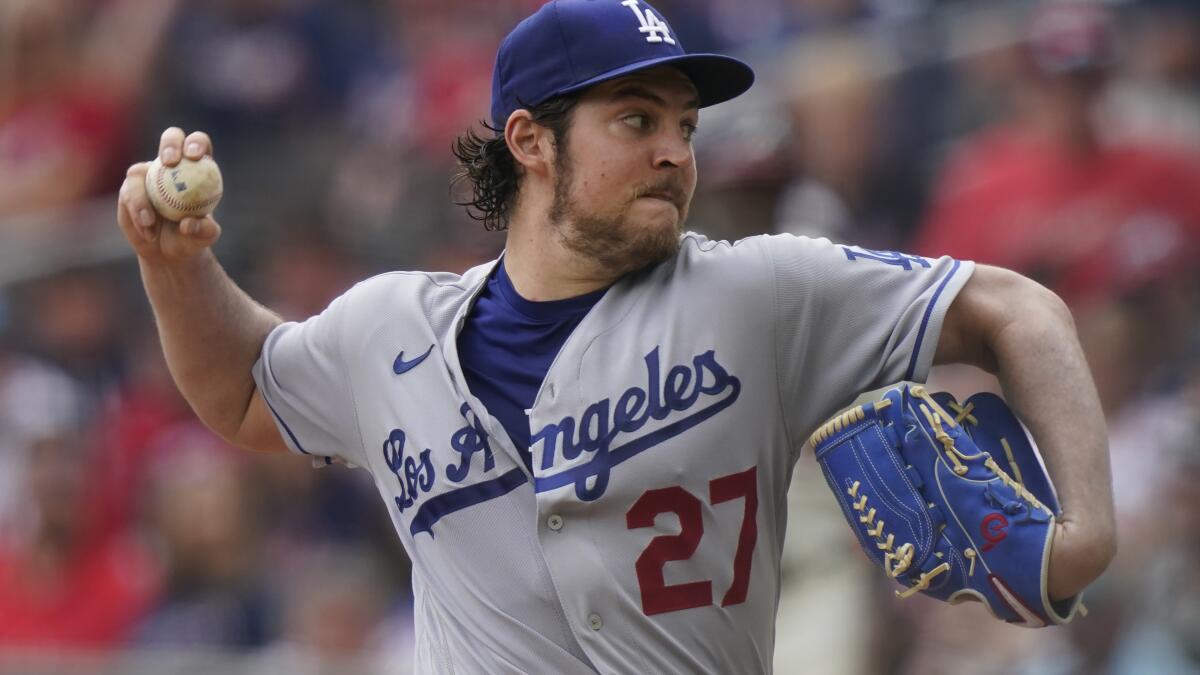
[1014,481]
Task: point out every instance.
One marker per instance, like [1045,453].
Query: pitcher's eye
[636,121]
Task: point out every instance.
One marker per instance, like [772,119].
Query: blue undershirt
[508,344]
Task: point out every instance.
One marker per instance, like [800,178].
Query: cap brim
[717,78]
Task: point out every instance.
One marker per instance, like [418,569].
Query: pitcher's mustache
[666,188]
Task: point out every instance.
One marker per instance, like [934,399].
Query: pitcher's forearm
[1047,381]
[211,333]
[1016,328]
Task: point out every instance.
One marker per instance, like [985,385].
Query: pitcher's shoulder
[701,254]
[386,284]
[425,293]
[695,246]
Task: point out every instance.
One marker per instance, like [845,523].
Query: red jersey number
[657,596]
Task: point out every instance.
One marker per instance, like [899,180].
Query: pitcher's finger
[139,169]
[170,146]
[133,194]
[200,230]
[197,145]
[134,213]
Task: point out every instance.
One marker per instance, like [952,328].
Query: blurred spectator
[451,67]
[63,584]
[1046,195]
[389,189]
[269,65]
[201,507]
[131,419]
[70,74]
[1158,97]
[1146,605]
[332,622]
[274,78]
[72,319]
[844,189]
[987,70]
[772,21]
[302,275]
[37,401]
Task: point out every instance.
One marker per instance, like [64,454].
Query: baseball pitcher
[585,445]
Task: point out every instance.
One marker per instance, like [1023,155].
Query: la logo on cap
[656,29]
[567,46]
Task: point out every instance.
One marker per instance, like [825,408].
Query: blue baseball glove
[951,501]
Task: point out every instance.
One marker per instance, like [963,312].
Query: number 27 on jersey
[657,596]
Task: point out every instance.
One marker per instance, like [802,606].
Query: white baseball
[191,188]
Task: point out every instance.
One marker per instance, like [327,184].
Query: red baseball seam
[170,200]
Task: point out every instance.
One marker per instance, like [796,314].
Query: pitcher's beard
[611,242]
[618,246]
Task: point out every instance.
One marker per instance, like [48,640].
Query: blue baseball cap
[569,45]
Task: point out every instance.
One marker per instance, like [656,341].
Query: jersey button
[595,622]
[554,522]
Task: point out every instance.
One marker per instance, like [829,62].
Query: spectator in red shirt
[61,584]
[70,75]
[1113,227]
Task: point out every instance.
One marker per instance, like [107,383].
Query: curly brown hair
[486,161]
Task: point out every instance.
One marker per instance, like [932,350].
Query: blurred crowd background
[1061,140]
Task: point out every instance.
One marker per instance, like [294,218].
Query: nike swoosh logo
[401,366]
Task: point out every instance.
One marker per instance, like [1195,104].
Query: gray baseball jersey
[647,537]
